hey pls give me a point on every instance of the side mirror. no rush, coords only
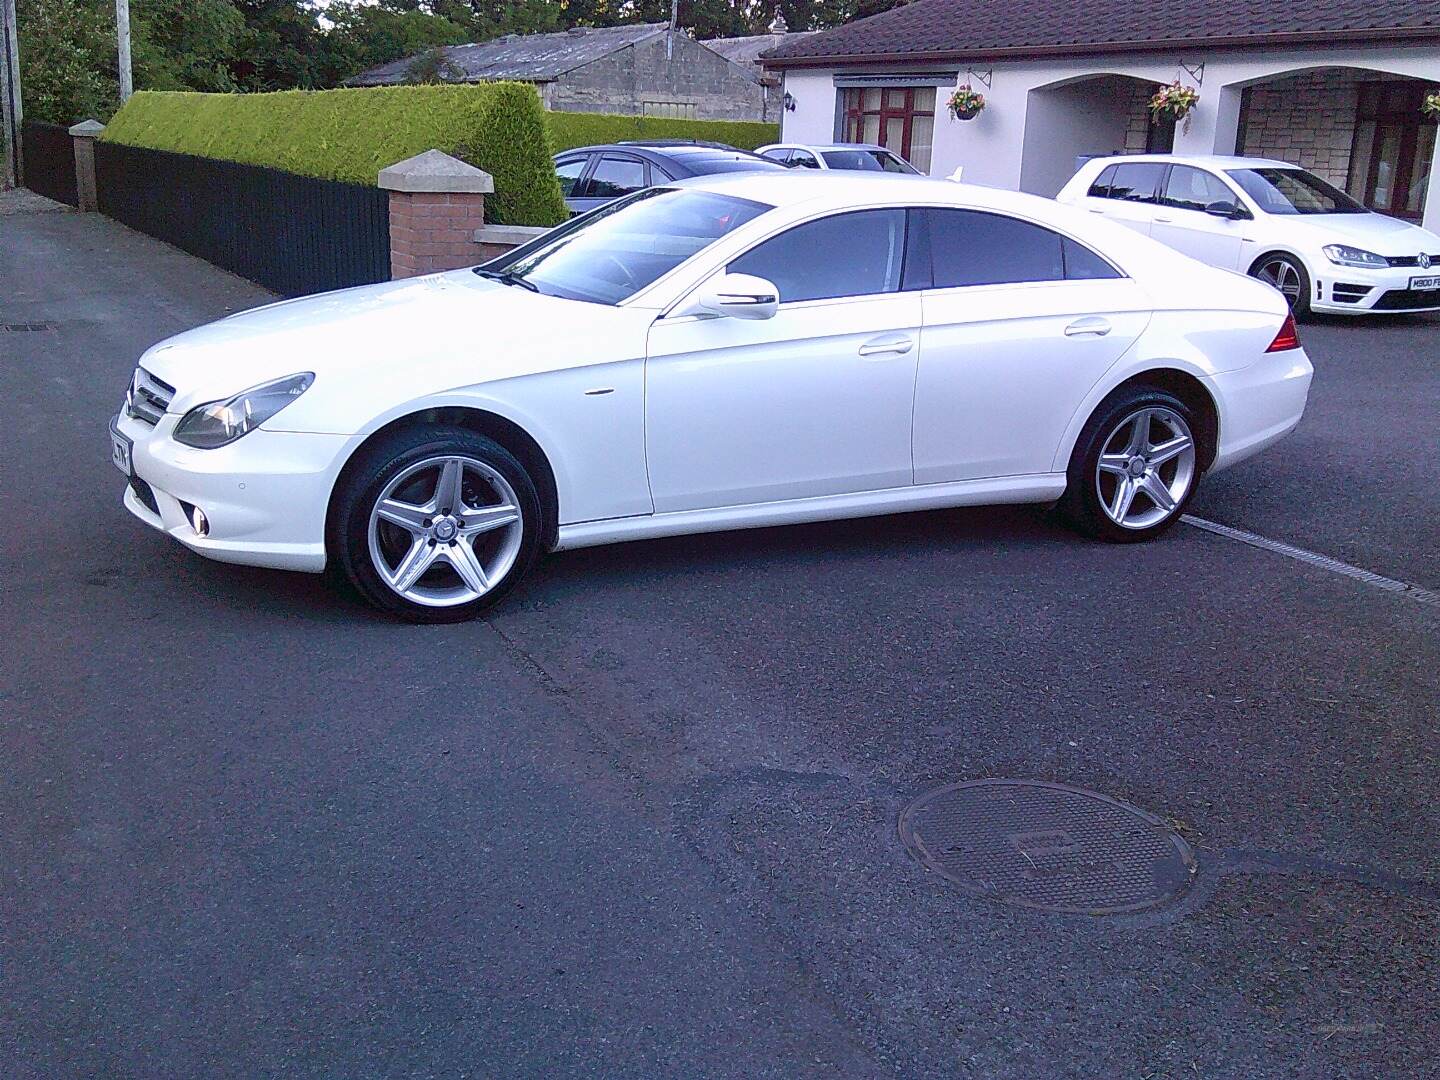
(740, 296)
(1232, 211)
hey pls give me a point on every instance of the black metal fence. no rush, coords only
(47, 158)
(290, 233)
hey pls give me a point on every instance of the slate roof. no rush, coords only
(528, 58)
(746, 51)
(992, 29)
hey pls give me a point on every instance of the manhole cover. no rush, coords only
(1047, 846)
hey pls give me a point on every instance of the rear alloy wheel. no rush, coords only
(1285, 273)
(1134, 469)
(441, 527)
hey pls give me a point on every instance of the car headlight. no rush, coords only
(220, 423)
(1344, 255)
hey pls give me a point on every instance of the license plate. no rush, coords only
(1425, 283)
(120, 452)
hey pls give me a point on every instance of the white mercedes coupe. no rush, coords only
(720, 353)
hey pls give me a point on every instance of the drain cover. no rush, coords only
(1047, 846)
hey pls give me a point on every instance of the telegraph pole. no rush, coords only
(122, 35)
(10, 113)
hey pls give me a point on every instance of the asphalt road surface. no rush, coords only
(642, 821)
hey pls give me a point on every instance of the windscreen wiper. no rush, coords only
(507, 278)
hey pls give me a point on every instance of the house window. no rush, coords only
(673, 110)
(1393, 148)
(898, 118)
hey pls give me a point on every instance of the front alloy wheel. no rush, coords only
(1287, 275)
(435, 524)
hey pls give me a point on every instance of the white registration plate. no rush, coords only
(1425, 282)
(120, 452)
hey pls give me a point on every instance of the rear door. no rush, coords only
(1127, 192)
(1182, 223)
(1019, 323)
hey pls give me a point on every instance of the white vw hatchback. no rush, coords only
(1275, 221)
(725, 352)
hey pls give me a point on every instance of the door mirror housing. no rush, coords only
(739, 296)
(1233, 211)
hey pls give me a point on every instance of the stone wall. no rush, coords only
(691, 75)
(1137, 125)
(1306, 119)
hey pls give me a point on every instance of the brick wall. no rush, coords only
(432, 231)
(1306, 119)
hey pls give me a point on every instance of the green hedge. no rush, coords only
(569, 129)
(352, 134)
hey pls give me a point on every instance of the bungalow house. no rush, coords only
(1333, 85)
(642, 69)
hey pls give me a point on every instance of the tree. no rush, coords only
(185, 44)
(279, 46)
(67, 60)
(363, 35)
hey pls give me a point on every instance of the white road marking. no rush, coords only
(1324, 562)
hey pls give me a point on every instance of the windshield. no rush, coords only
(866, 161)
(1294, 191)
(615, 251)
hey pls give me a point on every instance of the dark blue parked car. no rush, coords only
(591, 176)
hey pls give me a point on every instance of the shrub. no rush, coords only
(569, 129)
(351, 135)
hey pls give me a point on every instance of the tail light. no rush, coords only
(1287, 338)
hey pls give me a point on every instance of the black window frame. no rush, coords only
(918, 269)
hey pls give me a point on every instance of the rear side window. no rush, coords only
(803, 159)
(853, 254)
(1100, 189)
(1136, 181)
(616, 176)
(974, 247)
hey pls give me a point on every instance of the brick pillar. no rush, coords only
(85, 133)
(436, 204)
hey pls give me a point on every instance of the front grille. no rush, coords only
(1408, 300)
(148, 397)
(1412, 260)
(145, 495)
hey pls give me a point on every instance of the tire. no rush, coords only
(460, 526)
(1278, 270)
(1092, 494)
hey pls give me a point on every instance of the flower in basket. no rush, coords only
(965, 103)
(1431, 105)
(1174, 100)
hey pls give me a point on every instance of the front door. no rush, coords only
(815, 401)
(1393, 148)
(1020, 324)
(1182, 223)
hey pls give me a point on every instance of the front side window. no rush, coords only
(853, 254)
(975, 247)
(899, 118)
(616, 176)
(1294, 191)
(1189, 188)
(614, 252)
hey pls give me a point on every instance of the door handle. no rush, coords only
(1164, 220)
(1091, 325)
(887, 347)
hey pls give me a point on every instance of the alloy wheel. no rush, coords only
(1146, 468)
(445, 531)
(1282, 274)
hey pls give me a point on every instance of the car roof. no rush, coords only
(687, 158)
(827, 146)
(1214, 161)
(840, 188)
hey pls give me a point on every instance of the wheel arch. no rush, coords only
(1189, 389)
(504, 431)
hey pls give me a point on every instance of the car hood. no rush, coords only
(1373, 232)
(422, 334)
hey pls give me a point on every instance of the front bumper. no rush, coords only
(1349, 290)
(265, 495)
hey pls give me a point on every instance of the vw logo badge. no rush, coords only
(1424, 261)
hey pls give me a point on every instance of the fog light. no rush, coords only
(199, 522)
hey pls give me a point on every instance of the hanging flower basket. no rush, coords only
(1174, 100)
(965, 103)
(1431, 105)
